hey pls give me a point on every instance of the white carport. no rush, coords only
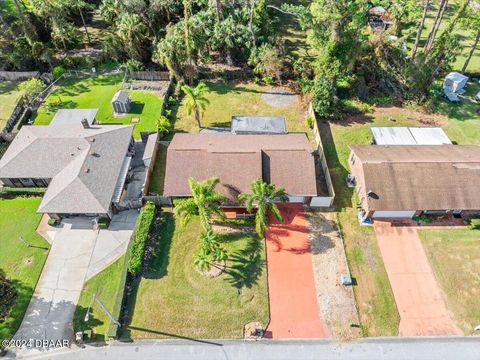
(454, 82)
(409, 136)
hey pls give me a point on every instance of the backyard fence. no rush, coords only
(150, 75)
(17, 75)
(17, 112)
(321, 201)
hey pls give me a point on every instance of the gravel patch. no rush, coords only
(279, 97)
(336, 302)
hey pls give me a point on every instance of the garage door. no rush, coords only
(296, 199)
(393, 214)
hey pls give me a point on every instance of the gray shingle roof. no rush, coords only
(84, 164)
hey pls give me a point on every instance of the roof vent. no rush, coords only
(372, 195)
(92, 139)
(94, 154)
(86, 170)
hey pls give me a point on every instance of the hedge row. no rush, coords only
(140, 235)
(9, 192)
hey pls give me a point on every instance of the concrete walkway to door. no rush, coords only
(419, 300)
(293, 300)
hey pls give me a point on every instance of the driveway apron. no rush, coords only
(422, 309)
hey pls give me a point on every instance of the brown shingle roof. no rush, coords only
(418, 177)
(237, 160)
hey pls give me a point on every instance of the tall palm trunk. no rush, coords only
(472, 50)
(250, 23)
(197, 115)
(436, 25)
(84, 25)
(420, 28)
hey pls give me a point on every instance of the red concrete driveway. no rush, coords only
(419, 300)
(293, 301)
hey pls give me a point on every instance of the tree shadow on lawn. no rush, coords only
(53, 107)
(159, 263)
(245, 267)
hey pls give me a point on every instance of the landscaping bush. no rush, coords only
(423, 219)
(140, 235)
(475, 224)
(11, 192)
(52, 222)
(309, 122)
(58, 71)
(8, 293)
(103, 223)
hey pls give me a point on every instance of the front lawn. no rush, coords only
(96, 93)
(175, 300)
(21, 263)
(9, 94)
(455, 257)
(231, 98)
(106, 286)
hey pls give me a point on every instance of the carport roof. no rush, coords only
(401, 135)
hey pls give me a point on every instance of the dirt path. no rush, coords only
(336, 302)
(419, 300)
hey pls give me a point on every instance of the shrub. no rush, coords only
(163, 125)
(8, 293)
(475, 224)
(11, 192)
(140, 235)
(32, 87)
(52, 222)
(58, 71)
(268, 80)
(309, 122)
(103, 223)
(323, 97)
(423, 219)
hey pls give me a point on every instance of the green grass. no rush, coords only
(97, 93)
(228, 99)
(455, 258)
(174, 299)
(9, 94)
(158, 175)
(106, 286)
(20, 263)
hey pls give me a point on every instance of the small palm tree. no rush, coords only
(196, 100)
(205, 201)
(202, 260)
(264, 196)
(210, 252)
(209, 240)
(163, 125)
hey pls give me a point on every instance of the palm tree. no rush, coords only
(196, 100)
(210, 252)
(202, 260)
(264, 196)
(205, 201)
(132, 32)
(426, 6)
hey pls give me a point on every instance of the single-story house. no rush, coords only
(284, 160)
(403, 181)
(121, 102)
(259, 125)
(67, 116)
(84, 167)
(401, 135)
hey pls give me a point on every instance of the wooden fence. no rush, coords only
(17, 75)
(17, 112)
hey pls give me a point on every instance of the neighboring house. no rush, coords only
(69, 116)
(83, 166)
(400, 135)
(403, 181)
(284, 160)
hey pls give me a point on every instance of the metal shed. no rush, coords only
(121, 102)
(258, 125)
(409, 136)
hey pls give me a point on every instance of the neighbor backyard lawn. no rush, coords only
(106, 286)
(455, 258)
(230, 98)
(9, 94)
(21, 263)
(175, 300)
(96, 93)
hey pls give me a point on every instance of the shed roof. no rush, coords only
(285, 160)
(69, 116)
(121, 96)
(419, 177)
(259, 125)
